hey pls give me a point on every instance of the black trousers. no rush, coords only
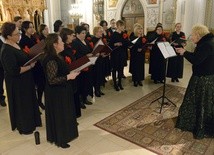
(2, 97)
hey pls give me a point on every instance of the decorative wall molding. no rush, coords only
(150, 7)
(111, 14)
(152, 17)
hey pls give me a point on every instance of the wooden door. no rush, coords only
(130, 21)
(129, 24)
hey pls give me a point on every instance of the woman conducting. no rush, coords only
(196, 113)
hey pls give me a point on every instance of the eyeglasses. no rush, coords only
(16, 34)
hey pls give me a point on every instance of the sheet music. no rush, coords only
(166, 49)
(170, 49)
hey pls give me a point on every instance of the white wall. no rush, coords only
(194, 13)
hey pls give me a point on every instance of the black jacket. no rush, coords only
(203, 56)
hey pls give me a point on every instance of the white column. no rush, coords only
(53, 13)
(87, 12)
(180, 10)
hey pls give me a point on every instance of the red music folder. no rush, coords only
(100, 47)
(34, 59)
(37, 48)
(78, 63)
(82, 63)
(107, 50)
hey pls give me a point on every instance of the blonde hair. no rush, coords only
(96, 29)
(136, 28)
(200, 29)
(136, 24)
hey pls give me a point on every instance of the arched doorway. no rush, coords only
(132, 13)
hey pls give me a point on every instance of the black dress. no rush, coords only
(196, 113)
(157, 62)
(137, 59)
(176, 64)
(2, 97)
(107, 64)
(85, 83)
(61, 124)
(68, 55)
(23, 106)
(98, 69)
(26, 43)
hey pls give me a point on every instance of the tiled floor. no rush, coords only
(91, 140)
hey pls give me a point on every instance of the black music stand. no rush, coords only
(167, 53)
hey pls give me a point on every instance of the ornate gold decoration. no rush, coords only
(24, 8)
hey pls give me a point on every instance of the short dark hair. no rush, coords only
(102, 22)
(17, 18)
(158, 26)
(64, 33)
(79, 29)
(49, 41)
(57, 25)
(112, 20)
(85, 24)
(7, 29)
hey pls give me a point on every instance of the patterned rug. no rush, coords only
(142, 124)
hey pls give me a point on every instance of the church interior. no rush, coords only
(93, 140)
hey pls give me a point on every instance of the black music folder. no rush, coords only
(180, 41)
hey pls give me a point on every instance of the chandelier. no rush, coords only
(76, 11)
